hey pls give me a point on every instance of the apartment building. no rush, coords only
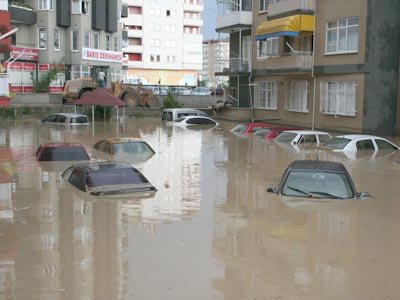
(81, 36)
(164, 41)
(215, 59)
(323, 64)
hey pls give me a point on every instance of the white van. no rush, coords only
(172, 114)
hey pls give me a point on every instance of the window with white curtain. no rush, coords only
(298, 92)
(266, 95)
(86, 39)
(338, 97)
(56, 37)
(268, 47)
(42, 37)
(342, 36)
(75, 40)
(45, 4)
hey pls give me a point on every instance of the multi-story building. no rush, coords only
(83, 36)
(320, 65)
(164, 41)
(215, 59)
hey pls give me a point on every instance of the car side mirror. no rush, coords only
(363, 195)
(271, 190)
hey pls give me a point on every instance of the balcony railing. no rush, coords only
(284, 6)
(290, 61)
(193, 22)
(236, 65)
(229, 6)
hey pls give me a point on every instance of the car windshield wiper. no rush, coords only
(326, 194)
(308, 194)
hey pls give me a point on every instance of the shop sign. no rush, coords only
(26, 53)
(101, 55)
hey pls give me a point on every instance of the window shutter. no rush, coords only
(323, 96)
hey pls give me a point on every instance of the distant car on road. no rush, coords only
(217, 92)
(195, 120)
(61, 152)
(250, 128)
(107, 179)
(317, 179)
(201, 91)
(66, 119)
(303, 137)
(355, 142)
(273, 132)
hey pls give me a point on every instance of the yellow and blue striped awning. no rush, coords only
(287, 26)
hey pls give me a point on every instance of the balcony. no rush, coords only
(236, 66)
(133, 49)
(290, 6)
(234, 21)
(288, 62)
(134, 20)
(133, 33)
(193, 7)
(193, 22)
(136, 2)
(23, 15)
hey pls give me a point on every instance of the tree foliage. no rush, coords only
(42, 82)
(170, 101)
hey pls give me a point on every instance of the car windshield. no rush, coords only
(262, 132)
(317, 184)
(285, 137)
(115, 177)
(135, 147)
(239, 128)
(63, 154)
(337, 143)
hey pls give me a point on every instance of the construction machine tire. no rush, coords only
(131, 99)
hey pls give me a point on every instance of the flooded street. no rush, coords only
(210, 232)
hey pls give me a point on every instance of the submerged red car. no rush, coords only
(273, 132)
(61, 152)
(250, 128)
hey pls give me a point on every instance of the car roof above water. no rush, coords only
(317, 165)
(58, 145)
(103, 166)
(70, 115)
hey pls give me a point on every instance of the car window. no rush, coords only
(262, 132)
(285, 137)
(114, 177)
(308, 139)
(365, 145)
(77, 179)
(256, 128)
(61, 119)
(337, 143)
(239, 128)
(383, 145)
(63, 154)
(195, 121)
(169, 116)
(135, 147)
(107, 148)
(323, 138)
(181, 115)
(101, 145)
(164, 116)
(79, 120)
(299, 183)
(51, 118)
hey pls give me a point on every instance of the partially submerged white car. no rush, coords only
(303, 137)
(195, 120)
(66, 119)
(355, 142)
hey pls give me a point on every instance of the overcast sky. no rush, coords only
(209, 18)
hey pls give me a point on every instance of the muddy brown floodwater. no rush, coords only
(210, 232)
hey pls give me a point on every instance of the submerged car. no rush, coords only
(172, 114)
(195, 120)
(108, 178)
(273, 132)
(66, 119)
(317, 179)
(303, 137)
(123, 145)
(355, 142)
(61, 152)
(250, 128)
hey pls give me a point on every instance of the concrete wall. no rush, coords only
(32, 99)
(234, 114)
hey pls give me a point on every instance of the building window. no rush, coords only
(158, 58)
(86, 39)
(298, 96)
(75, 40)
(342, 36)
(115, 43)
(45, 4)
(96, 40)
(80, 7)
(266, 95)
(107, 42)
(152, 57)
(56, 39)
(338, 98)
(168, 13)
(42, 38)
(263, 5)
(268, 47)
